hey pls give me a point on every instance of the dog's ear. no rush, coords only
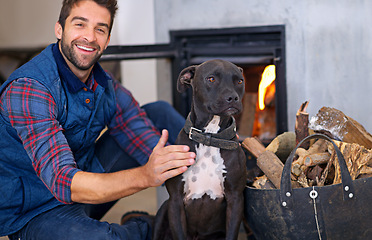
(184, 79)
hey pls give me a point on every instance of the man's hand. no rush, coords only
(167, 161)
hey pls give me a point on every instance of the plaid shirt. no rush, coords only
(31, 110)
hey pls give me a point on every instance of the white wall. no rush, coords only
(26, 24)
(134, 25)
(327, 45)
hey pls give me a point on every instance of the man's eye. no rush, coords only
(211, 79)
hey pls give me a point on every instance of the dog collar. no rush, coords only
(220, 140)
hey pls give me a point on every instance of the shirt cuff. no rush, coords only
(62, 191)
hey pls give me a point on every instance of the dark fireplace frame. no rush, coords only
(243, 46)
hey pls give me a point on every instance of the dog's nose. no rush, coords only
(230, 99)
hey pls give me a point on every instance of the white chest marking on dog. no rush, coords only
(206, 175)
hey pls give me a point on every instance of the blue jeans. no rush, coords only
(81, 221)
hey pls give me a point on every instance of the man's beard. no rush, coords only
(71, 55)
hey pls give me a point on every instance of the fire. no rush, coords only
(268, 76)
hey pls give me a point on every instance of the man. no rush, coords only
(53, 172)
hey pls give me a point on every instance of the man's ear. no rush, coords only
(58, 30)
(184, 79)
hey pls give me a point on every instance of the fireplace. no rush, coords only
(252, 48)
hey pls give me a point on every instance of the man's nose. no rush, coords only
(90, 35)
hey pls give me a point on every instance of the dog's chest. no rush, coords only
(206, 175)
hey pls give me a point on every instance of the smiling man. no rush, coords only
(57, 179)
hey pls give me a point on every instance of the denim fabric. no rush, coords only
(71, 222)
(164, 116)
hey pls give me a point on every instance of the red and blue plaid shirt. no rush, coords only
(31, 110)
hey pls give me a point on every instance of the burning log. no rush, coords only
(341, 127)
(301, 126)
(248, 115)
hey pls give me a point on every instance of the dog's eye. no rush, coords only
(211, 79)
(240, 81)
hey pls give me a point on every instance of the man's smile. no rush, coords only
(85, 48)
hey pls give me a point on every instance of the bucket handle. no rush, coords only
(286, 191)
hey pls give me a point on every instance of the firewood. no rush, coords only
(358, 160)
(365, 176)
(314, 173)
(319, 146)
(315, 159)
(271, 165)
(254, 146)
(308, 160)
(341, 127)
(267, 161)
(302, 180)
(282, 145)
(316, 154)
(298, 166)
(327, 172)
(301, 126)
(263, 183)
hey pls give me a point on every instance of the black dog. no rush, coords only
(206, 202)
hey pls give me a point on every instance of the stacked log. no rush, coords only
(315, 163)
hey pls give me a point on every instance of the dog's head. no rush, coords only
(218, 86)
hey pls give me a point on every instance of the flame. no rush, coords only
(268, 76)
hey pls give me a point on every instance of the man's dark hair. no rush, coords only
(67, 5)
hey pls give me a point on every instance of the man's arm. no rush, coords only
(134, 132)
(165, 162)
(131, 128)
(32, 111)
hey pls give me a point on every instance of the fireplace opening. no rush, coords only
(260, 51)
(258, 118)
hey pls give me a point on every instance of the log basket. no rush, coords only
(339, 211)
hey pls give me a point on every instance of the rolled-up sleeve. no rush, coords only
(32, 111)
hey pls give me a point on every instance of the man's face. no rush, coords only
(85, 35)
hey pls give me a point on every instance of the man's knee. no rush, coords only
(158, 107)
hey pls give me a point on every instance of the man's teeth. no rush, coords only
(85, 48)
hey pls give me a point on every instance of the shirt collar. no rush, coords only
(72, 81)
